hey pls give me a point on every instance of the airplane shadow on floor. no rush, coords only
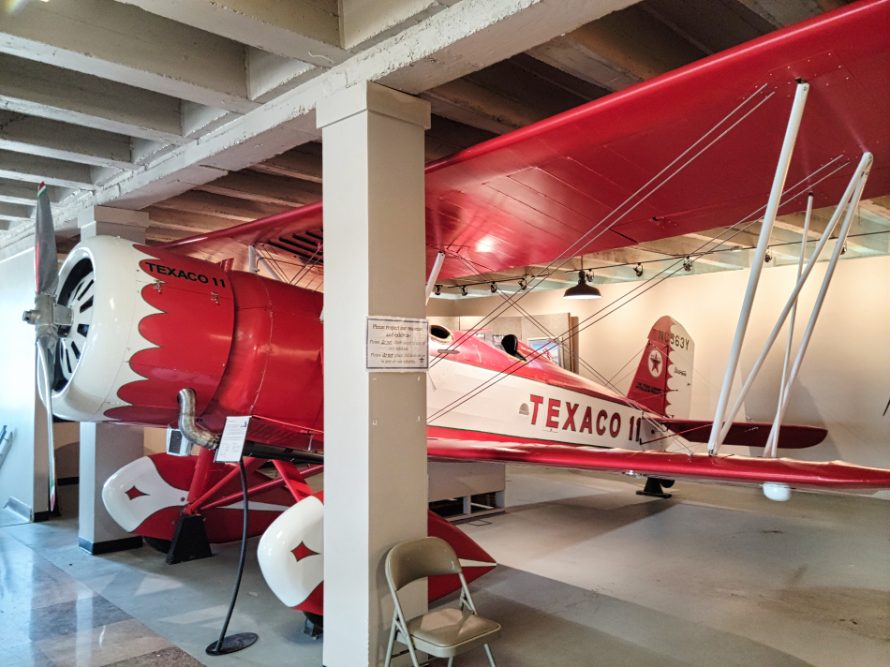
(547, 622)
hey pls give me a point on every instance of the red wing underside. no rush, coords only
(748, 434)
(740, 469)
(525, 197)
(282, 433)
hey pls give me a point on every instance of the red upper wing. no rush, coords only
(525, 197)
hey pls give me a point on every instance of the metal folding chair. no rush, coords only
(443, 633)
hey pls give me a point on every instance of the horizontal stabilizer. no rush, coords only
(740, 469)
(748, 434)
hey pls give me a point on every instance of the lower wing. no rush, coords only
(460, 445)
(730, 468)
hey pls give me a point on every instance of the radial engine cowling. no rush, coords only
(147, 323)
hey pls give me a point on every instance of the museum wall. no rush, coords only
(18, 407)
(843, 382)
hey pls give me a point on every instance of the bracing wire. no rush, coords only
(600, 228)
(788, 195)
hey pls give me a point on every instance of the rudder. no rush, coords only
(663, 381)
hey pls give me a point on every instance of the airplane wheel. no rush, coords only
(667, 483)
(157, 544)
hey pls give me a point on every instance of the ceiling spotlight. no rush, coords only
(844, 249)
(522, 283)
(583, 290)
(768, 256)
(638, 270)
(438, 290)
(687, 264)
(463, 290)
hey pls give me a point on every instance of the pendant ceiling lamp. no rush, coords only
(583, 290)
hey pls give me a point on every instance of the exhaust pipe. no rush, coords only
(189, 427)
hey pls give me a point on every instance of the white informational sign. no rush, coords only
(397, 344)
(231, 445)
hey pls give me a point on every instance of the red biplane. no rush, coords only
(124, 329)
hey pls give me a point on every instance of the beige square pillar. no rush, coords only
(106, 448)
(375, 423)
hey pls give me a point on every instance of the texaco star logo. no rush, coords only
(656, 363)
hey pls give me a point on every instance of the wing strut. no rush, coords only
(434, 274)
(769, 218)
(773, 440)
(785, 392)
(848, 204)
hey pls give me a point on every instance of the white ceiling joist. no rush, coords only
(306, 30)
(34, 168)
(21, 192)
(447, 45)
(122, 43)
(49, 138)
(15, 211)
(49, 92)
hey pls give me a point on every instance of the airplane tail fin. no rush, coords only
(663, 381)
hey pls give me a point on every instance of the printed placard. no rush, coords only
(231, 444)
(397, 344)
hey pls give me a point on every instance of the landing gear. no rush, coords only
(314, 625)
(655, 487)
(157, 544)
(189, 540)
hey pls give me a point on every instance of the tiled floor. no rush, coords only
(49, 618)
(61, 607)
(590, 574)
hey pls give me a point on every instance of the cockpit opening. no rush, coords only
(440, 333)
(510, 343)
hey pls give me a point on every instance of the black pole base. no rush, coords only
(232, 643)
(314, 625)
(654, 489)
(189, 540)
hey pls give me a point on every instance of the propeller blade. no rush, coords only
(46, 347)
(46, 262)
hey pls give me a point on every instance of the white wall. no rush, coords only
(843, 384)
(19, 409)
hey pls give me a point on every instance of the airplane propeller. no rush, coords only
(47, 316)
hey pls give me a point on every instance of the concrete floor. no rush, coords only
(590, 574)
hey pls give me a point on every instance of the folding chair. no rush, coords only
(443, 633)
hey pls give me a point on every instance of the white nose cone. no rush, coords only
(776, 491)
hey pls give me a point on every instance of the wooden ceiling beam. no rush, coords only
(471, 104)
(206, 203)
(636, 43)
(187, 222)
(265, 188)
(779, 13)
(446, 137)
(303, 162)
(695, 22)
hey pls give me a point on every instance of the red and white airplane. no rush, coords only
(687, 151)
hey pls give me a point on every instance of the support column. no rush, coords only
(375, 423)
(106, 448)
